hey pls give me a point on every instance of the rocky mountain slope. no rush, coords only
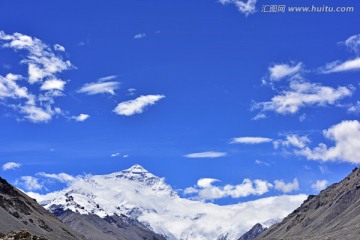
(139, 195)
(333, 214)
(19, 212)
(109, 228)
(253, 232)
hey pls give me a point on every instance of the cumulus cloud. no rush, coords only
(33, 95)
(53, 84)
(303, 94)
(31, 183)
(205, 190)
(250, 140)
(280, 71)
(346, 138)
(81, 118)
(61, 177)
(10, 165)
(280, 185)
(137, 105)
(101, 86)
(339, 66)
(140, 35)
(320, 185)
(209, 154)
(246, 7)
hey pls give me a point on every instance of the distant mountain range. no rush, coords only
(145, 200)
(333, 214)
(134, 204)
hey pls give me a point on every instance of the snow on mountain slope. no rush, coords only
(137, 193)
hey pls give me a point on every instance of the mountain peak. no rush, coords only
(136, 168)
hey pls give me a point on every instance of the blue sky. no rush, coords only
(187, 89)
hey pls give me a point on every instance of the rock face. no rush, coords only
(333, 214)
(109, 228)
(22, 216)
(253, 232)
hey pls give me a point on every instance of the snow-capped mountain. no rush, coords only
(138, 194)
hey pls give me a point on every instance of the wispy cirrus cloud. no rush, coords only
(280, 71)
(353, 43)
(136, 106)
(209, 154)
(341, 66)
(61, 177)
(250, 140)
(292, 140)
(10, 166)
(102, 85)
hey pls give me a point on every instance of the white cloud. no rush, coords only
(302, 94)
(320, 185)
(107, 78)
(137, 105)
(205, 190)
(31, 183)
(354, 108)
(53, 84)
(58, 47)
(353, 43)
(209, 154)
(61, 177)
(10, 165)
(206, 182)
(292, 140)
(280, 185)
(246, 7)
(140, 35)
(346, 138)
(81, 118)
(338, 66)
(259, 116)
(280, 71)
(99, 87)
(250, 140)
(131, 91)
(36, 114)
(10, 89)
(259, 162)
(34, 102)
(115, 154)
